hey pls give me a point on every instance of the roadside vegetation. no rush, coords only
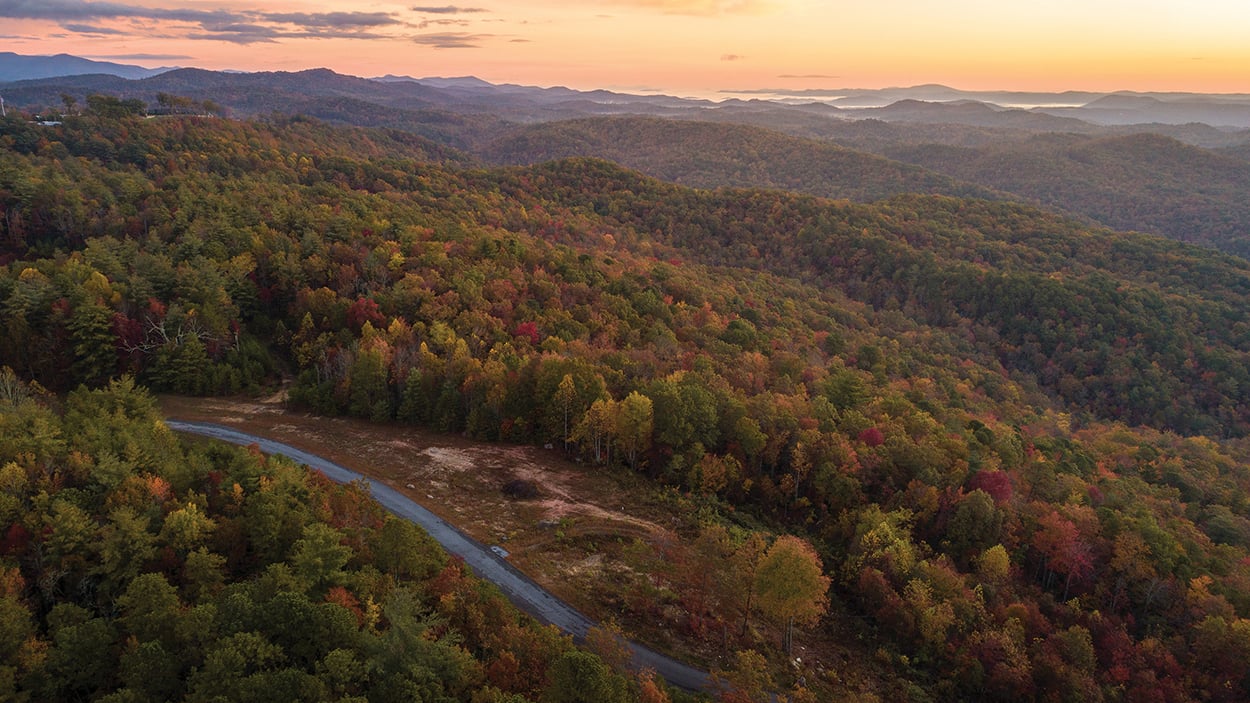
(135, 567)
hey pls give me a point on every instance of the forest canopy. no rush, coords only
(134, 567)
(1015, 442)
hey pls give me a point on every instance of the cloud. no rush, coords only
(80, 10)
(807, 75)
(89, 28)
(238, 33)
(257, 34)
(244, 28)
(333, 19)
(443, 22)
(59, 10)
(446, 9)
(450, 40)
(241, 27)
(732, 57)
(243, 39)
(705, 8)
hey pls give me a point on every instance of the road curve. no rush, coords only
(519, 588)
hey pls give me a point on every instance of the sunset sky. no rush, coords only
(686, 47)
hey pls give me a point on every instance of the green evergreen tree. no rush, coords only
(94, 344)
(370, 395)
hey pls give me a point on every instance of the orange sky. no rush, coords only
(687, 47)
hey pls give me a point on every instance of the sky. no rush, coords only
(680, 47)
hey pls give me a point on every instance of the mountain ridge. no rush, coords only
(15, 67)
(1221, 110)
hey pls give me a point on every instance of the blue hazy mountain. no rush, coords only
(16, 67)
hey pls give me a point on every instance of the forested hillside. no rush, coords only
(1015, 441)
(134, 568)
(1162, 178)
(1142, 182)
(1134, 182)
(1139, 322)
(710, 155)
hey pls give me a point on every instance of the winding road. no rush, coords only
(519, 588)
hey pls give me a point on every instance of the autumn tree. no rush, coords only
(581, 677)
(744, 566)
(1063, 549)
(607, 641)
(651, 690)
(634, 422)
(565, 401)
(792, 586)
(703, 576)
(597, 428)
(747, 680)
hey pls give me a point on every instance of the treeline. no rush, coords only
(925, 388)
(135, 568)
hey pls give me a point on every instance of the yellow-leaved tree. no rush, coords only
(791, 585)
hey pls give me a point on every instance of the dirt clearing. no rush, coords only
(462, 481)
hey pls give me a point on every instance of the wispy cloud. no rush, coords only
(263, 34)
(732, 57)
(237, 34)
(451, 40)
(89, 28)
(707, 8)
(446, 9)
(80, 10)
(333, 19)
(807, 75)
(237, 26)
(241, 38)
(424, 24)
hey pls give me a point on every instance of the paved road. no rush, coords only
(519, 589)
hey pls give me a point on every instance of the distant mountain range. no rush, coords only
(1173, 164)
(32, 78)
(16, 67)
